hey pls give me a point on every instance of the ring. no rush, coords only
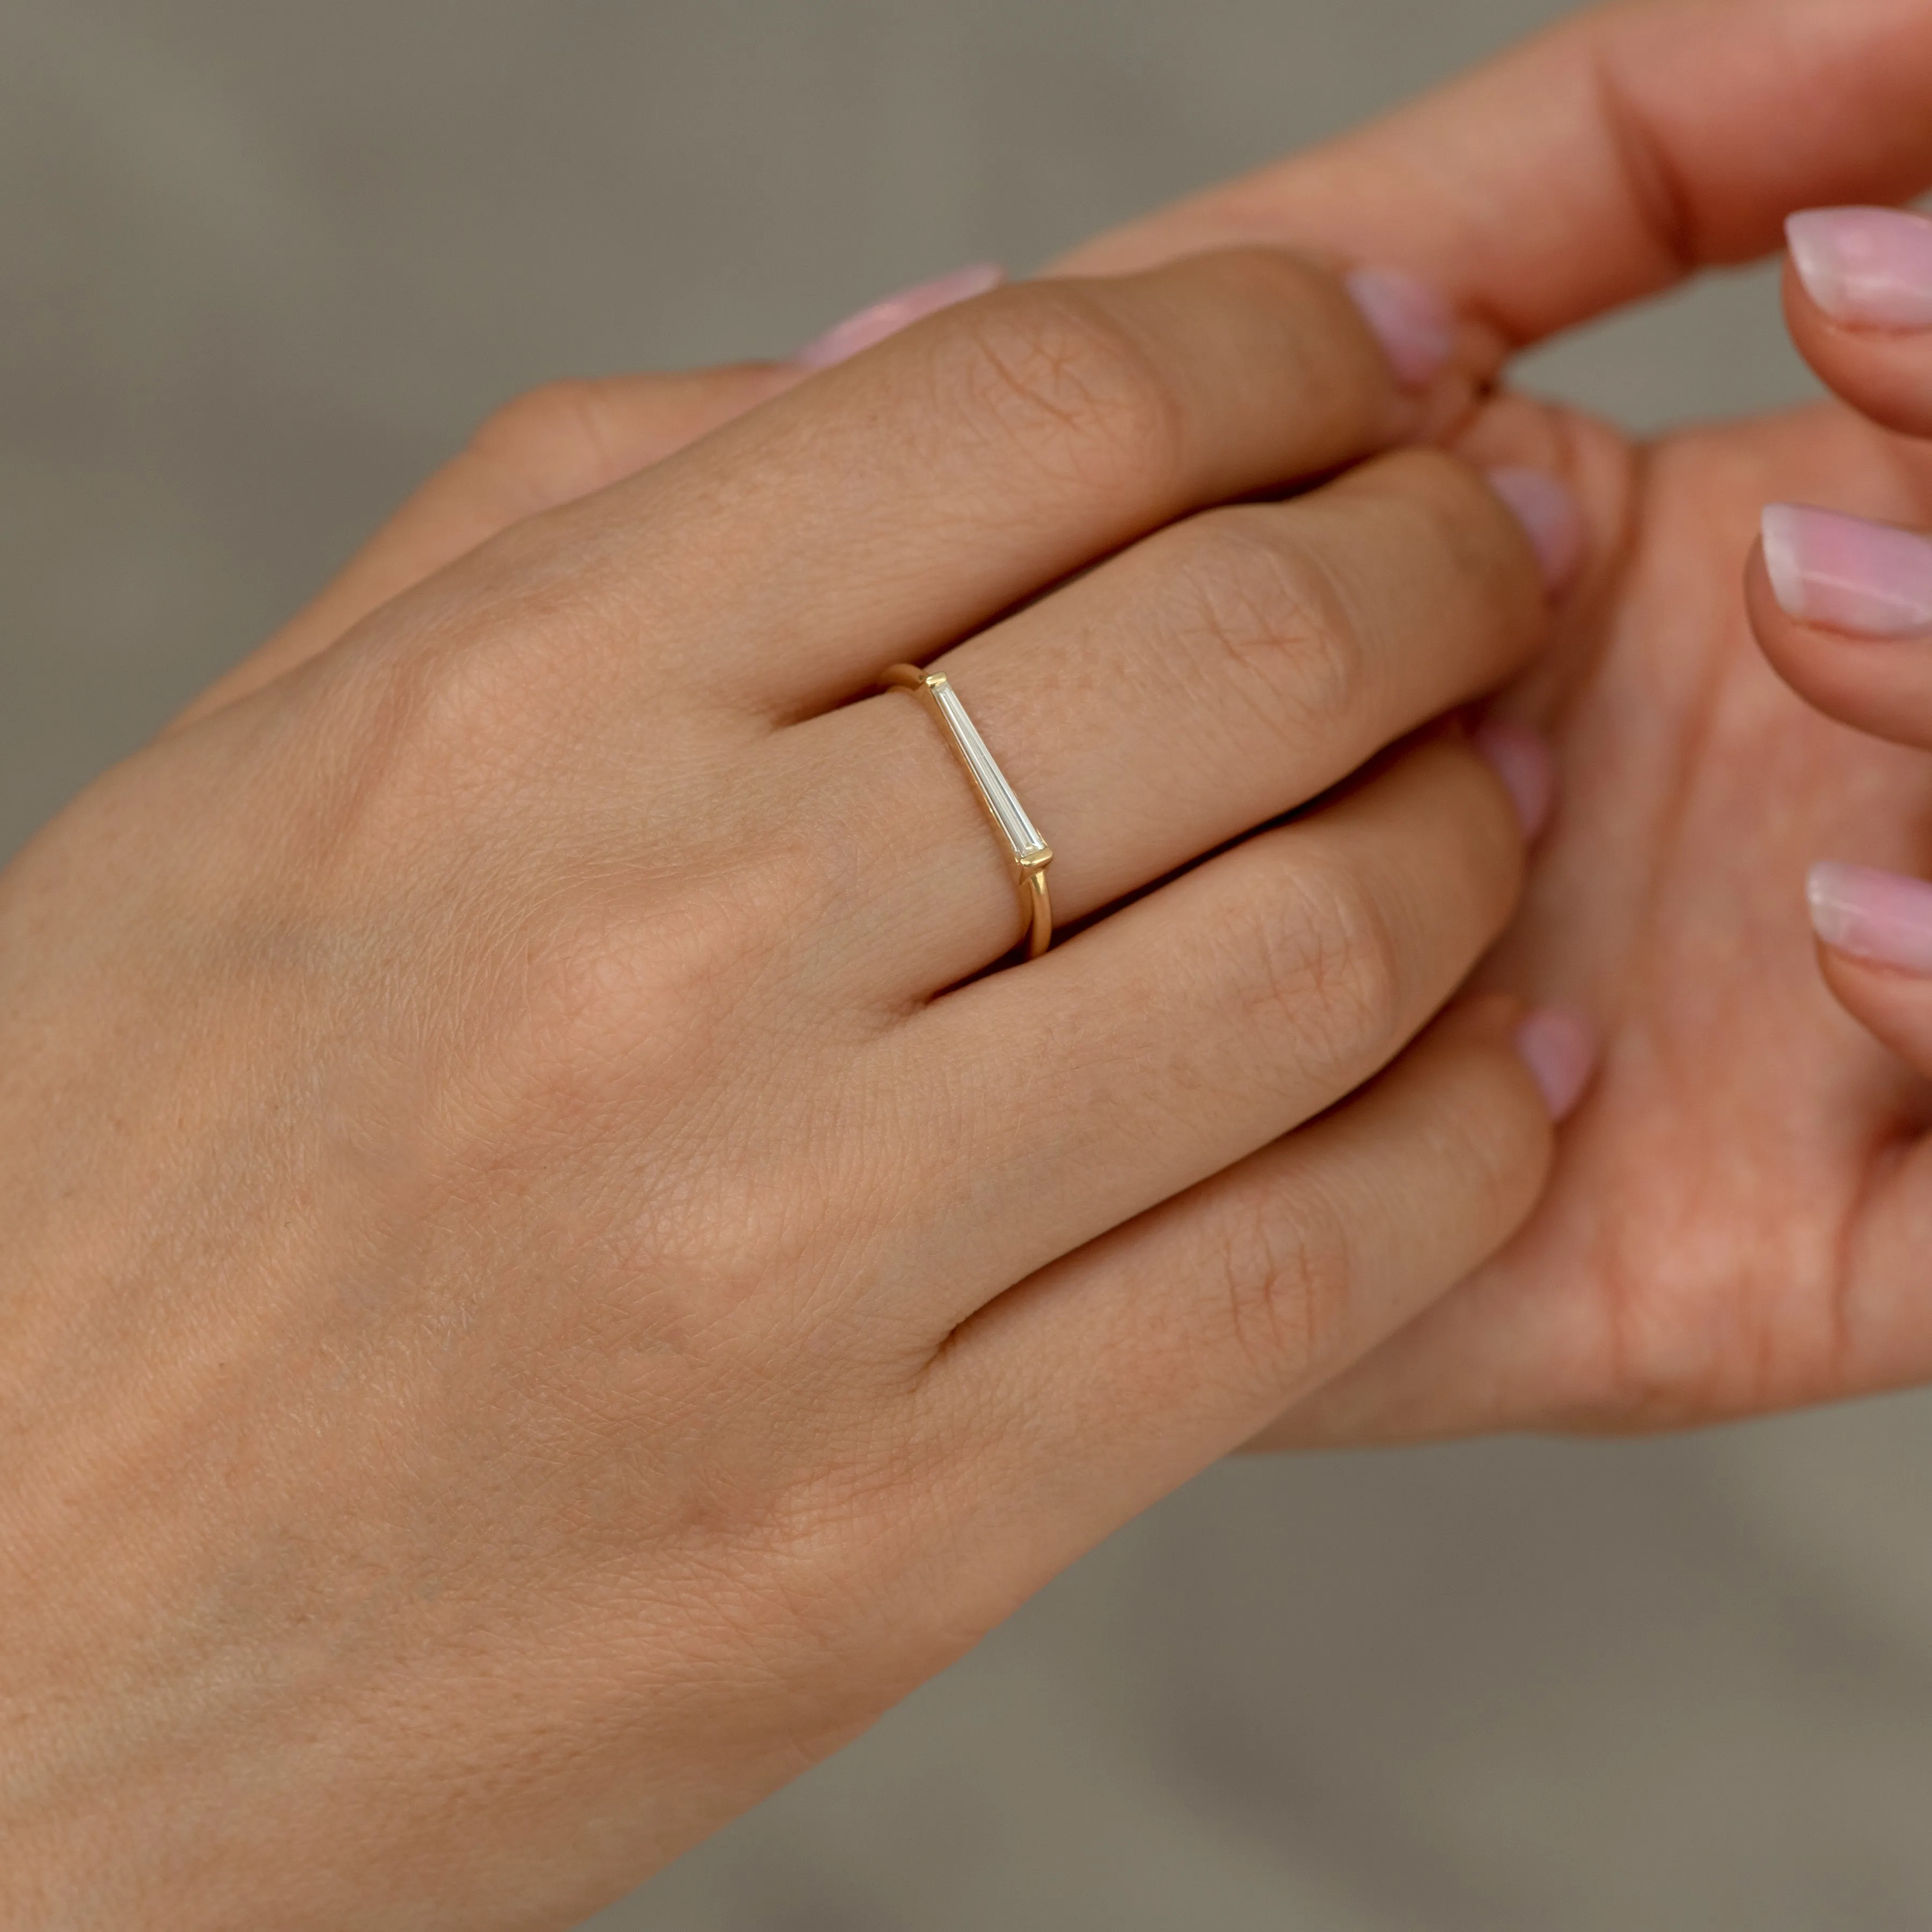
(1031, 854)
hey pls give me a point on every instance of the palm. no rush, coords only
(1734, 1219)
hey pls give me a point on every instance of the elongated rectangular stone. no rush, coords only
(1001, 800)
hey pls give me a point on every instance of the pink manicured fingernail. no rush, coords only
(1559, 1048)
(874, 324)
(1527, 767)
(1870, 579)
(1415, 326)
(1871, 267)
(1881, 917)
(1549, 512)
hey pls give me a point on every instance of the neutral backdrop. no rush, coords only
(262, 266)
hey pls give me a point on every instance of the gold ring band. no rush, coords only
(1031, 854)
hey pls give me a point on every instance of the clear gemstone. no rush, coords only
(1020, 832)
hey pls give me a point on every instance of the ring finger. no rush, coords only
(1199, 1024)
(1220, 674)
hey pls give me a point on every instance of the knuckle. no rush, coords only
(483, 683)
(1323, 980)
(1264, 617)
(610, 984)
(1063, 379)
(1286, 1271)
(451, 712)
(548, 444)
(419, 746)
(596, 988)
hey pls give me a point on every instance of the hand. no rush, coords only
(1740, 1217)
(553, 446)
(531, 1315)
(1843, 608)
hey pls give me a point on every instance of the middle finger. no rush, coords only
(1224, 672)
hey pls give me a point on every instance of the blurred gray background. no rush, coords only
(261, 267)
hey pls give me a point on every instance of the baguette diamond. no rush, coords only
(1002, 801)
(1031, 854)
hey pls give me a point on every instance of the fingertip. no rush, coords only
(1842, 610)
(1865, 267)
(1551, 518)
(1524, 762)
(1864, 325)
(1559, 1047)
(1415, 326)
(881, 320)
(1876, 918)
(1850, 575)
(1778, 528)
(1874, 933)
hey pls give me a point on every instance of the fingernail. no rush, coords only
(1415, 326)
(1869, 580)
(874, 324)
(1871, 267)
(1526, 765)
(1559, 1048)
(1550, 513)
(1883, 918)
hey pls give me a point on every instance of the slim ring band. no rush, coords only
(1031, 854)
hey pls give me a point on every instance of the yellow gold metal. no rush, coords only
(1030, 853)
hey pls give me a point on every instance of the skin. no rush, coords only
(1738, 1218)
(547, 1285)
(1881, 688)
(1732, 1227)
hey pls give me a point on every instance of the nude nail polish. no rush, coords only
(1882, 918)
(1871, 267)
(1559, 1048)
(1550, 513)
(1415, 326)
(1523, 761)
(1867, 580)
(874, 324)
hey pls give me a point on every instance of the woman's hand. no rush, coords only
(1723, 1236)
(1842, 607)
(553, 446)
(531, 1313)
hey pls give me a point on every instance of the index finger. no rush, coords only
(895, 505)
(548, 448)
(1600, 162)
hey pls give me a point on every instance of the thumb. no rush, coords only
(1599, 163)
(565, 441)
